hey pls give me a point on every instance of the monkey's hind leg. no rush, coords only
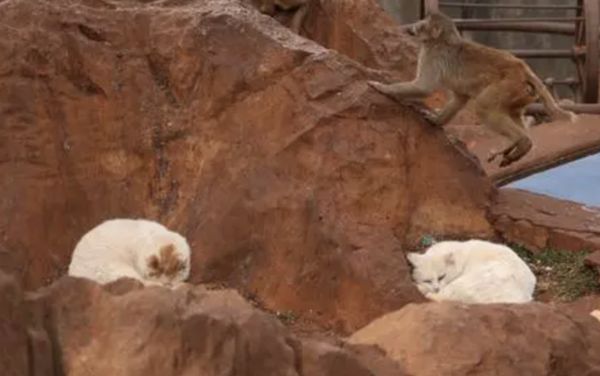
(511, 128)
(512, 153)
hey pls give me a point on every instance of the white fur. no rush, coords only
(596, 314)
(121, 248)
(474, 271)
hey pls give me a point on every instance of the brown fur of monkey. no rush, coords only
(300, 6)
(499, 84)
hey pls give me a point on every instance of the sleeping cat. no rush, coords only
(134, 248)
(473, 271)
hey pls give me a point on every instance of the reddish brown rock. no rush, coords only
(364, 32)
(554, 144)
(321, 358)
(538, 221)
(290, 178)
(127, 330)
(25, 347)
(13, 329)
(593, 259)
(582, 306)
(453, 339)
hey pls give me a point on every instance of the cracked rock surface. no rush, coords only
(488, 339)
(291, 179)
(540, 222)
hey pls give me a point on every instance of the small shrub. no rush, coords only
(563, 274)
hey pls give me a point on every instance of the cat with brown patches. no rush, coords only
(136, 248)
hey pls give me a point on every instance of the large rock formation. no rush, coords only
(494, 339)
(124, 329)
(13, 335)
(540, 222)
(290, 178)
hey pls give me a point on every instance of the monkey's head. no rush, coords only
(435, 28)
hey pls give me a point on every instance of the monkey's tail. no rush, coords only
(554, 109)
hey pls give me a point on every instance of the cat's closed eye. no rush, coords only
(427, 281)
(441, 277)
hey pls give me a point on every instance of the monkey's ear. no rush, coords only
(413, 258)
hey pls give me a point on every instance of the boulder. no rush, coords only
(25, 347)
(541, 222)
(291, 179)
(581, 306)
(13, 328)
(456, 339)
(364, 32)
(322, 358)
(593, 260)
(124, 329)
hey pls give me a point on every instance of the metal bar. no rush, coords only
(466, 21)
(579, 108)
(547, 27)
(508, 6)
(537, 54)
(592, 65)
(566, 81)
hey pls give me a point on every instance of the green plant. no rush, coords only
(563, 273)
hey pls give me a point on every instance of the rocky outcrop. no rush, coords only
(453, 339)
(555, 144)
(364, 32)
(123, 329)
(581, 306)
(291, 179)
(540, 222)
(13, 331)
(77, 327)
(593, 260)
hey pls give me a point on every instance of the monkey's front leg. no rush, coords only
(402, 90)
(414, 91)
(436, 297)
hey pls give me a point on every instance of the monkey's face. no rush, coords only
(421, 30)
(435, 27)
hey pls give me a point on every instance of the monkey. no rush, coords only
(499, 84)
(299, 6)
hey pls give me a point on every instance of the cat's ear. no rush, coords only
(449, 259)
(413, 258)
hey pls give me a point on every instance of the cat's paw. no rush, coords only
(433, 296)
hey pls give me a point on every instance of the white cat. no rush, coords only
(596, 314)
(473, 271)
(134, 248)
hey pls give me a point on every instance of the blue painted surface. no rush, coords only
(577, 181)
